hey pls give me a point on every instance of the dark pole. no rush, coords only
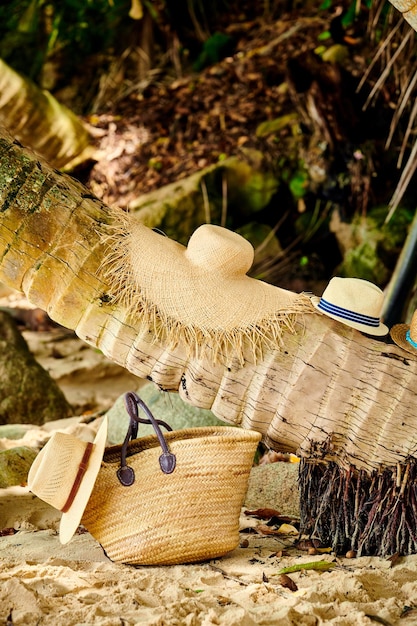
(402, 279)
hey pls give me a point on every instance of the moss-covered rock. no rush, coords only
(276, 125)
(168, 407)
(369, 246)
(28, 394)
(14, 431)
(237, 186)
(14, 465)
(362, 261)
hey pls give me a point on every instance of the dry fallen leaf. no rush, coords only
(307, 544)
(287, 529)
(264, 513)
(263, 529)
(407, 610)
(378, 619)
(286, 581)
(394, 559)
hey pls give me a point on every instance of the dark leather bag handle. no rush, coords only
(167, 460)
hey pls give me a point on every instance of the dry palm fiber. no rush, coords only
(372, 514)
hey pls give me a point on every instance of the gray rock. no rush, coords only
(27, 391)
(14, 465)
(168, 407)
(274, 486)
(14, 431)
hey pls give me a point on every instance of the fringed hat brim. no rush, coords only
(211, 306)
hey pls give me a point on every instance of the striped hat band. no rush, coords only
(346, 314)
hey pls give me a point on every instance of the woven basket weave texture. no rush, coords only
(187, 516)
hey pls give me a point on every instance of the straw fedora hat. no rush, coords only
(405, 335)
(354, 302)
(63, 475)
(199, 294)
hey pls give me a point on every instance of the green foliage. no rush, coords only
(31, 31)
(395, 231)
(314, 220)
(298, 183)
(155, 163)
(350, 13)
(363, 262)
(214, 49)
(276, 125)
(326, 5)
(67, 32)
(375, 245)
(324, 36)
(348, 16)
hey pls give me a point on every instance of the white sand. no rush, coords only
(45, 583)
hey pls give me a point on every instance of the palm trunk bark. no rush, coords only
(331, 395)
(37, 119)
(408, 8)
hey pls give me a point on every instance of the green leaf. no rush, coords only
(298, 184)
(320, 566)
(325, 5)
(324, 35)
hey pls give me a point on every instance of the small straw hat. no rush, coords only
(199, 294)
(63, 475)
(354, 302)
(405, 335)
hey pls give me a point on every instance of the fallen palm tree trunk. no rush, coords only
(37, 119)
(318, 388)
(408, 8)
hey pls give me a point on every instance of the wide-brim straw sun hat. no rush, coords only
(354, 302)
(199, 295)
(405, 335)
(63, 475)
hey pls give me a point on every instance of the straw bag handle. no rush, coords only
(167, 460)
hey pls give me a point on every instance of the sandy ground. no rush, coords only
(89, 380)
(44, 583)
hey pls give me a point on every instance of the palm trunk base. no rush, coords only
(373, 514)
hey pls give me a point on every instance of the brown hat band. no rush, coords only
(82, 468)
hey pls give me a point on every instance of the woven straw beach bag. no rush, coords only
(172, 498)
